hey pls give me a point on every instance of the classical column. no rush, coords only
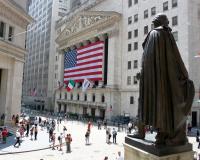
(101, 38)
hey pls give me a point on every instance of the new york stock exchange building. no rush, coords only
(89, 45)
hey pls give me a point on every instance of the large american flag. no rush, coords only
(85, 62)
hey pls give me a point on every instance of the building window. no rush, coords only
(135, 45)
(10, 33)
(135, 1)
(165, 6)
(135, 64)
(146, 13)
(135, 80)
(174, 3)
(129, 80)
(129, 20)
(85, 97)
(71, 96)
(102, 98)
(131, 100)
(78, 97)
(174, 21)
(129, 47)
(2, 29)
(136, 18)
(65, 95)
(129, 3)
(93, 98)
(153, 11)
(129, 35)
(129, 64)
(145, 29)
(175, 34)
(136, 33)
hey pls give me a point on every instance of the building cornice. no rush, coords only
(10, 50)
(86, 25)
(9, 11)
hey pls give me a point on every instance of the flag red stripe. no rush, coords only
(91, 50)
(86, 57)
(94, 61)
(81, 69)
(92, 44)
(83, 74)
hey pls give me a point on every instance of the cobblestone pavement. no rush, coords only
(97, 150)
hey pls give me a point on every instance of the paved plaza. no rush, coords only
(97, 150)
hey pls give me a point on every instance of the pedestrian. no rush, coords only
(106, 158)
(17, 119)
(68, 140)
(31, 132)
(50, 134)
(89, 126)
(114, 134)
(99, 124)
(130, 127)
(60, 137)
(87, 136)
(189, 128)
(53, 139)
(17, 138)
(64, 130)
(40, 120)
(108, 135)
(119, 156)
(4, 134)
(35, 132)
(197, 136)
(105, 124)
(27, 128)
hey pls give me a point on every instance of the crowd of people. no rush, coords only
(57, 139)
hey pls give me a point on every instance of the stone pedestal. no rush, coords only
(135, 149)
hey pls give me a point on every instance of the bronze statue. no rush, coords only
(166, 92)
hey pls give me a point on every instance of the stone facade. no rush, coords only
(12, 52)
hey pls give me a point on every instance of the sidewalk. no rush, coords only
(26, 144)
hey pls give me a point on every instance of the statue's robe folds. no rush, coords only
(166, 93)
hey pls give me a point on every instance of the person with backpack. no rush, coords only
(114, 134)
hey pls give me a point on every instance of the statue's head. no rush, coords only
(160, 20)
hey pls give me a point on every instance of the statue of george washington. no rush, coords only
(166, 92)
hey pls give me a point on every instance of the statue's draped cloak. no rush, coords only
(166, 93)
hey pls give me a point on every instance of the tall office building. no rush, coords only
(39, 65)
(13, 22)
(184, 18)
